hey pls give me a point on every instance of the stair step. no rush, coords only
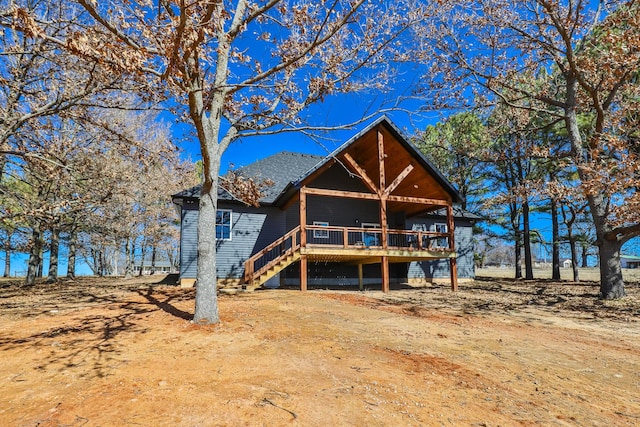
(281, 264)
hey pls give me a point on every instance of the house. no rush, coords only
(159, 266)
(566, 263)
(630, 261)
(373, 212)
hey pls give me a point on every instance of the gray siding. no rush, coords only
(189, 240)
(252, 230)
(440, 268)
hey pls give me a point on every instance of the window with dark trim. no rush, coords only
(321, 234)
(223, 224)
(441, 242)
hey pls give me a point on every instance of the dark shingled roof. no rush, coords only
(282, 168)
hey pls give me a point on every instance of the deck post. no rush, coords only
(303, 273)
(383, 223)
(381, 189)
(453, 266)
(303, 217)
(360, 277)
(385, 274)
(303, 238)
(248, 274)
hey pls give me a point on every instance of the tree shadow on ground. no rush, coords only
(169, 279)
(84, 342)
(96, 314)
(165, 305)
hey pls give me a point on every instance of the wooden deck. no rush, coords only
(371, 255)
(351, 245)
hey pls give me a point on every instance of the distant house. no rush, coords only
(373, 212)
(630, 261)
(566, 263)
(160, 266)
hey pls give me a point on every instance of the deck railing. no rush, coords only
(342, 237)
(354, 238)
(271, 255)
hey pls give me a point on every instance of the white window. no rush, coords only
(223, 224)
(371, 238)
(321, 234)
(441, 242)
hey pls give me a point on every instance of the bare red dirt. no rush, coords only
(499, 352)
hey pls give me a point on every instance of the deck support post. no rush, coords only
(303, 217)
(384, 261)
(453, 266)
(381, 190)
(453, 269)
(360, 277)
(303, 238)
(385, 274)
(303, 273)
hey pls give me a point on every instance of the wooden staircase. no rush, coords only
(281, 264)
(272, 260)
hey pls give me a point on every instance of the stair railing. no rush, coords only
(271, 255)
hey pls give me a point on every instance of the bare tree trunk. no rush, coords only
(518, 255)
(206, 310)
(207, 123)
(114, 264)
(611, 283)
(153, 259)
(7, 253)
(173, 260)
(585, 255)
(71, 258)
(569, 218)
(528, 262)
(41, 259)
(35, 256)
(141, 266)
(104, 262)
(143, 254)
(574, 258)
(515, 225)
(52, 276)
(94, 263)
(555, 241)
(129, 250)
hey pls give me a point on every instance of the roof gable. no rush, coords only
(406, 170)
(404, 165)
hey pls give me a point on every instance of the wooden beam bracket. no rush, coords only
(359, 170)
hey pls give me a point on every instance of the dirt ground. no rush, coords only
(499, 352)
